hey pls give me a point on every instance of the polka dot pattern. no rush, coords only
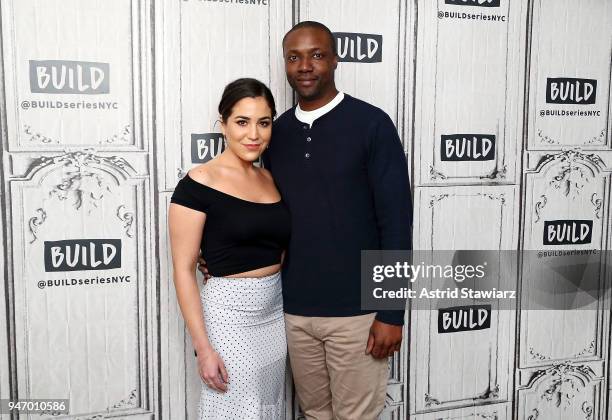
(245, 324)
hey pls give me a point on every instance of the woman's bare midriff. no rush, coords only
(259, 272)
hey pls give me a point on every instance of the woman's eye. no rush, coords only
(265, 123)
(241, 123)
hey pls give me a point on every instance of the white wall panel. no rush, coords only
(4, 324)
(477, 71)
(202, 48)
(566, 391)
(381, 83)
(458, 369)
(469, 73)
(92, 342)
(489, 412)
(91, 94)
(181, 390)
(570, 40)
(567, 186)
(567, 339)
(466, 217)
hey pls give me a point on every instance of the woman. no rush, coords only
(231, 210)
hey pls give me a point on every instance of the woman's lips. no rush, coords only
(252, 146)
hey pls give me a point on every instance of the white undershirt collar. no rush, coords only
(308, 117)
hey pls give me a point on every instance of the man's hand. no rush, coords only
(203, 269)
(384, 339)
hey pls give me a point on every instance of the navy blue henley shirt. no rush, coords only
(345, 181)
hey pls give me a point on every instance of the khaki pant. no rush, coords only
(333, 376)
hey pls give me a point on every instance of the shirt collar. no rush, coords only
(308, 117)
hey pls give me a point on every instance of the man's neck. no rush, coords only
(317, 103)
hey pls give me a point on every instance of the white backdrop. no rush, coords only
(107, 103)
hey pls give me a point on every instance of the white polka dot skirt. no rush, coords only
(245, 324)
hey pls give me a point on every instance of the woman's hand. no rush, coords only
(212, 370)
(203, 268)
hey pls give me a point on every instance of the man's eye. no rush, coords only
(291, 58)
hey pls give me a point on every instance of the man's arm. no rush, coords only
(390, 184)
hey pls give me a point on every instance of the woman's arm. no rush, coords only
(186, 227)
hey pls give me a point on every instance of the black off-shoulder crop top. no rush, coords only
(239, 235)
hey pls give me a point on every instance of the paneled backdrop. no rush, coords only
(503, 108)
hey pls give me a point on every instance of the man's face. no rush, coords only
(310, 63)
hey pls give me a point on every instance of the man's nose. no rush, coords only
(305, 65)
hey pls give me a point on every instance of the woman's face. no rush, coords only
(249, 127)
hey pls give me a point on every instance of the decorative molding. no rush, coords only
(35, 222)
(489, 393)
(535, 413)
(83, 185)
(571, 156)
(599, 139)
(546, 139)
(488, 416)
(128, 402)
(496, 173)
(37, 137)
(577, 169)
(81, 159)
(435, 198)
(127, 217)
(434, 174)
(587, 409)
(537, 356)
(597, 202)
(123, 136)
(589, 349)
(565, 381)
(539, 206)
(500, 197)
(429, 400)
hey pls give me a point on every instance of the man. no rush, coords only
(340, 167)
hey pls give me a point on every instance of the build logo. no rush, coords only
(69, 77)
(206, 146)
(481, 3)
(568, 232)
(358, 48)
(82, 254)
(467, 147)
(567, 90)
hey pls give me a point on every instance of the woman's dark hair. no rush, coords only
(240, 89)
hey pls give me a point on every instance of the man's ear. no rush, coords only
(335, 62)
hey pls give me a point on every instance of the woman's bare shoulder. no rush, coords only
(204, 173)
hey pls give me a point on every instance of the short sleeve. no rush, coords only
(187, 194)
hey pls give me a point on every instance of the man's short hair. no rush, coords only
(316, 25)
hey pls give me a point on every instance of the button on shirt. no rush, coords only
(308, 117)
(347, 190)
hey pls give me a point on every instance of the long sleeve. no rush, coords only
(390, 184)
